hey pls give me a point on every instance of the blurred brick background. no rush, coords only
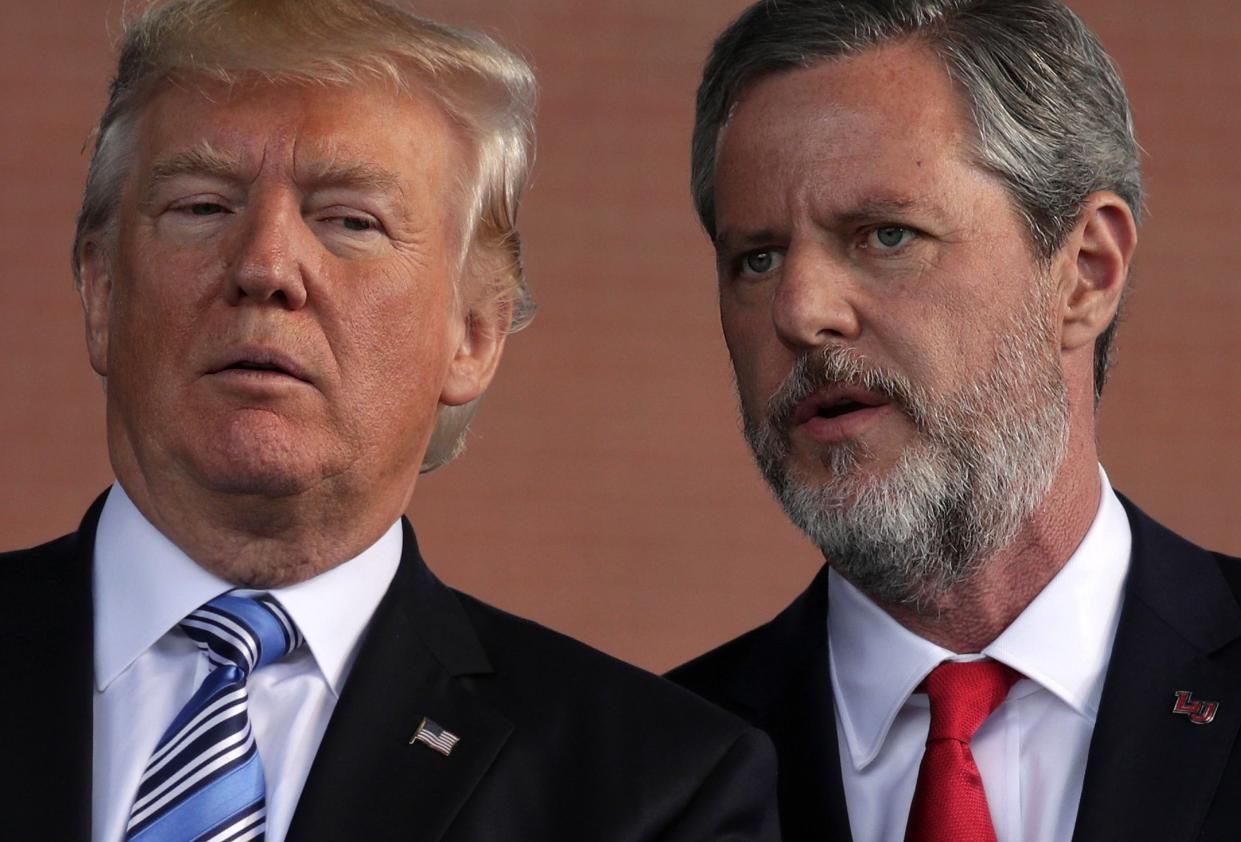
(607, 492)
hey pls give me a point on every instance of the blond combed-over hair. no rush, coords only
(486, 90)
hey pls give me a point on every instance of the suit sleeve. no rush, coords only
(737, 800)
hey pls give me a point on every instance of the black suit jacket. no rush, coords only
(557, 741)
(1151, 774)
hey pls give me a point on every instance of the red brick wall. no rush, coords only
(607, 492)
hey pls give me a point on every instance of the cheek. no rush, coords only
(943, 332)
(759, 359)
(159, 292)
(400, 336)
(148, 325)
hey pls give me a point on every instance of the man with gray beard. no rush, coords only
(956, 495)
(924, 213)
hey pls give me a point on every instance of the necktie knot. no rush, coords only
(963, 694)
(204, 779)
(242, 632)
(949, 801)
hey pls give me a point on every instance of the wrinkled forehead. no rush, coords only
(372, 133)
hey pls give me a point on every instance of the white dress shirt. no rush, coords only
(1031, 752)
(146, 668)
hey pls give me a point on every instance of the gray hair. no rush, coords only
(1052, 119)
(487, 91)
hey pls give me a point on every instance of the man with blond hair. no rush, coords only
(924, 213)
(298, 262)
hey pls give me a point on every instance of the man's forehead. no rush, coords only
(891, 84)
(366, 136)
(885, 126)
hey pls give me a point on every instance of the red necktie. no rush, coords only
(949, 801)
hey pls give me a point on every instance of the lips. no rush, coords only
(259, 360)
(838, 414)
(835, 402)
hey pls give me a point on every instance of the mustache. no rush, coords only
(838, 365)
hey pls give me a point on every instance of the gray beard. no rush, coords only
(982, 462)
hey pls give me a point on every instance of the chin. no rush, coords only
(267, 575)
(247, 480)
(851, 462)
(262, 465)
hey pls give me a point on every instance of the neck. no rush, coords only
(262, 541)
(974, 613)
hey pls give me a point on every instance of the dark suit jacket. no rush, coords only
(1151, 774)
(557, 741)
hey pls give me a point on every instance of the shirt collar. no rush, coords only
(333, 609)
(1061, 641)
(144, 585)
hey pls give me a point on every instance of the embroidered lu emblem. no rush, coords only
(1199, 712)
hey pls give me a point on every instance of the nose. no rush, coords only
(814, 301)
(270, 265)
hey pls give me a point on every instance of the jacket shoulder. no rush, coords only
(756, 666)
(61, 565)
(641, 750)
(714, 674)
(579, 680)
(46, 565)
(54, 580)
(1230, 566)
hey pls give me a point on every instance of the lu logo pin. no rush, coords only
(1199, 712)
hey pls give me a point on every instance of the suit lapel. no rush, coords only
(49, 635)
(791, 699)
(1152, 773)
(420, 658)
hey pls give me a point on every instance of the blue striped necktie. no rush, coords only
(204, 783)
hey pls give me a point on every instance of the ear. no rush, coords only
(95, 290)
(478, 351)
(1094, 267)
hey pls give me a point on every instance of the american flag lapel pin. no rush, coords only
(436, 736)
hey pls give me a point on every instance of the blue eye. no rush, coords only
(889, 236)
(760, 262)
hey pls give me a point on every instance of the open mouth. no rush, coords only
(840, 407)
(834, 404)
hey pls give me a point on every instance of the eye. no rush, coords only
(349, 220)
(197, 214)
(347, 230)
(199, 207)
(889, 237)
(761, 262)
(205, 208)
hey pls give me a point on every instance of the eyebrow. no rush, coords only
(882, 207)
(870, 210)
(358, 174)
(203, 159)
(726, 240)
